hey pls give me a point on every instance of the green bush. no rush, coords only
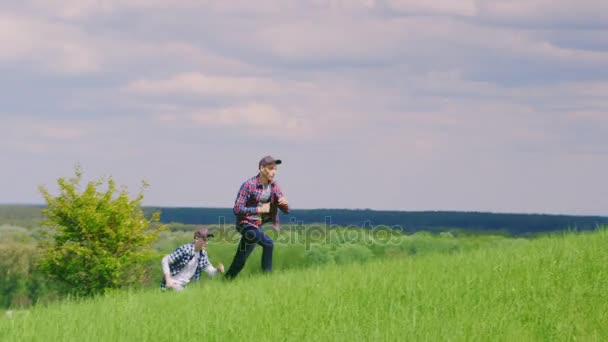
(12, 233)
(319, 255)
(352, 253)
(99, 240)
(20, 282)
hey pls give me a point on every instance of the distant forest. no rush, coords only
(408, 221)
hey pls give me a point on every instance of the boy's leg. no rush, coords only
(246, 246)
(267, 247)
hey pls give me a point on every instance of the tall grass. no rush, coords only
(548, 289)
(296, 248)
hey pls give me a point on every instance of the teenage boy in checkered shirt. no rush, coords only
(258, 202)
(187, 262)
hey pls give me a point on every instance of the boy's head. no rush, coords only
(201, 238)
(268, 167)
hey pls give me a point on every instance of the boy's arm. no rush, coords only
(212, 271)
(282, 201)
(167, 271)
(208, 267)
(170, 259)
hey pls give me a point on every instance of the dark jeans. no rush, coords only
(250, 236)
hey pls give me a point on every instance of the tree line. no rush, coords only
(30, 216)
(408, 221)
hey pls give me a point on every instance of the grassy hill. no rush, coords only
(550, 288)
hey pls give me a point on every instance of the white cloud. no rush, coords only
(167, 118)
(85, 9)
(25, 133)
(76, 9)
(253, 119)
(62, 133)
(33, 148)
(55, 47)
(132, 56)
(446, 7)
(342, 4)
(195, 83)
(253, 115)
(52, 46)
(327, 37)
(422, 43)
(599, 117)
(546, 13)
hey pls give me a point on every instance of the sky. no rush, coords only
(467, 105)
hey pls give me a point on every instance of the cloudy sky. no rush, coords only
(473, 105)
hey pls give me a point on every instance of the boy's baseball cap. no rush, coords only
(268, 160)
(203, 232)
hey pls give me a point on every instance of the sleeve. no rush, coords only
(165, 263)
(205, 265)
(170, 259)
(240, 204)
(210, 270)
(279, 194)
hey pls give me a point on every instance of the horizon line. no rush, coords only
(354, 209)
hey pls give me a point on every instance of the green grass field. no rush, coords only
(552, 288)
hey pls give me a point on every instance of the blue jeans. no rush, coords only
(250, 236)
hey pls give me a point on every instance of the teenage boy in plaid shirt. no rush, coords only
(187, 262)
(258, 202)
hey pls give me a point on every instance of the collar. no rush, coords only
(258, 182)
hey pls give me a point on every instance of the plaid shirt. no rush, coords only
(248, 198)
(180, 257)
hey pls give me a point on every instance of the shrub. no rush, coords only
(99, 240)
(352, 253)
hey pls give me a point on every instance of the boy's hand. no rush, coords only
(169, 283)
(283, 200)
(264, 208)
(220, 267)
